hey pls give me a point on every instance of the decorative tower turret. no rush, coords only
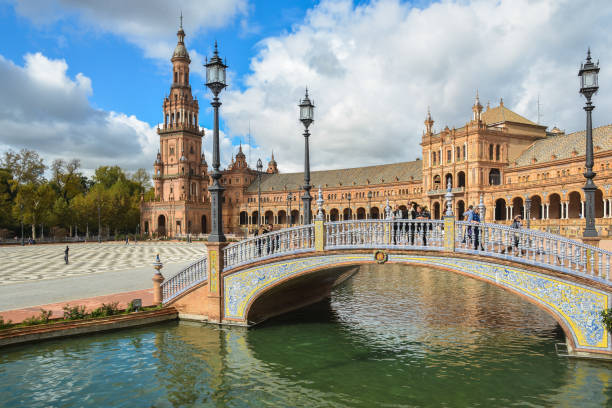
(477, 109)
(272, 167)
(429, 123)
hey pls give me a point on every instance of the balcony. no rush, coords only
(442, 192)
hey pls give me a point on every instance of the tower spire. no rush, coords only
(181, 24)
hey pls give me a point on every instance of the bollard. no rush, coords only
(158, 278)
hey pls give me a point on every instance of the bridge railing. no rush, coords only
(534, 248)
(271, 245)
(373, 234)
(184, 280)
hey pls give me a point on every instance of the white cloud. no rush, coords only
(149, 24)
(49, 112)
(373, 69)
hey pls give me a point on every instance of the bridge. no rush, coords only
(246, 282)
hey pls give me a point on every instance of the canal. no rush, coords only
(392, 335)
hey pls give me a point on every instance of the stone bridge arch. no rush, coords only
(270, 288)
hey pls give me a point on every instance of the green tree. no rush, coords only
(26, 166)
(108, 175)
(36, 201)
(6, 199)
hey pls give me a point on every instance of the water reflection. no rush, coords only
(390, 336)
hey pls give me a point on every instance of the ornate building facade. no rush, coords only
(498, 155)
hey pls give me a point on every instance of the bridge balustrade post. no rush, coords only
(449, 233)
(216, 263)
(319, 225)
(158, 279)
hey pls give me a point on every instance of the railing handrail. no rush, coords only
(184, 279)
(268, 234)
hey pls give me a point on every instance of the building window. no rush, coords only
(497, 152)
(449, 155)
(491, 152)
(433, 158)
(464, 154)
(458, 153)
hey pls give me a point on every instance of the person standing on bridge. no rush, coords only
(516, 224)
(476, 229)
(66, 254)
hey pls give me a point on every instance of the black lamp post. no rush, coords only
(307, 117)
(528, 210)
(215, 81)
(21, 218)
(588, 87)
(259, 170)
(289, 199)
(99, 224)
(370, 205)
(348, 196)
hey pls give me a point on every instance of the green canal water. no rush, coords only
(391, 336)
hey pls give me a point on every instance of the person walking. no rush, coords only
(127, 240)
(66, 254)
(469, 217)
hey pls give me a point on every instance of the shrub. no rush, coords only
(42, 318)
(106, 310)
(74, 312)
(5, 325)
(606, 319)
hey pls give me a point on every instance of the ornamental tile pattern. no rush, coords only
(576, 305)
(242, 287)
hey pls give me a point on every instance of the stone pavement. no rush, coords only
(36, 275)
(37, 262)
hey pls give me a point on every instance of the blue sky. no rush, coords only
(86, 78)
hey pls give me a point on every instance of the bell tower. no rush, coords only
(180, 170)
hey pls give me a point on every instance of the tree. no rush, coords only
(67, 180)
(37, 201)
(6, 198)
(25, 166)
(142, 178)
(108, 175)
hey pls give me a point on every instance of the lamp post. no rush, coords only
(21, 218)
(528, 210)
(259, 169)
(369, 205)
(307, 117)
(348, 196)
(99, 224)
(289, 199)
(588, 87)
(215, 81)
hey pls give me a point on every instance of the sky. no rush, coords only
(86, 79)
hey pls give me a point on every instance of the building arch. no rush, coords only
(295, 216)
(460, 209)
(575, 205)
(436, 210)
(268, 217)
(375, 212)
(437, 183)
(494, 177)
(461, 179)
(146, 227)
(244, 218)
(281, 217)
(334, 215)
(517, 206)
(535, 210)
(361, 213)
(346, 214)
(255, 218)
(161, 224)
(500, 210)
(554, 206)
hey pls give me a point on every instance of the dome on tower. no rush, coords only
(180, 51)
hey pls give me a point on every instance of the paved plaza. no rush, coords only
(37, 275)
(37, 262)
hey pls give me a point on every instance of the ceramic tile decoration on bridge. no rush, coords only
(569, 279)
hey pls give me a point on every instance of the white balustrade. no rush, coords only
(184, 280)
(273, 244)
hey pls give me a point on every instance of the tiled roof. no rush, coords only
(502, 114)
(562, 146)
(359, 176)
